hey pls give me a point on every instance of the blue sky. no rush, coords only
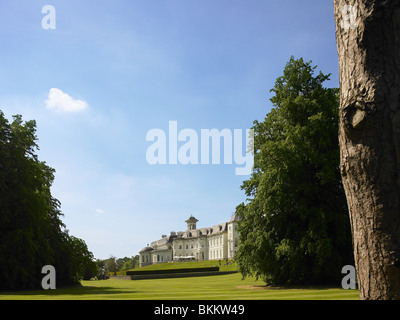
(119, 68)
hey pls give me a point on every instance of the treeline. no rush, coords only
(32, 234)
(113, 265)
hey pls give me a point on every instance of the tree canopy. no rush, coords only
(32, 234)
(294, 226)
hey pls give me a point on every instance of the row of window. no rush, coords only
(193, 245)
(213, 254)
(216, 254)
(160, 258)
(156, 258)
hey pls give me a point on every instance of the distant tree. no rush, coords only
(295, 228)
(111, 264)
(121, 261)
(130, 263)
(101, 268)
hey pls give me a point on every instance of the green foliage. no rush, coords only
(113, 265)
(31, 231)
(130, 263)
(295, 226)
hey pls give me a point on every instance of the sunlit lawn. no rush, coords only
(221, 287)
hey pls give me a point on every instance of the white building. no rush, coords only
(213, 243)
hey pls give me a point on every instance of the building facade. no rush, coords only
(213, 243)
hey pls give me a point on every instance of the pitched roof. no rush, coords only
(195, 233)
(191, 219)
(163, 240)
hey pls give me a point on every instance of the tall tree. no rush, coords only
(32, 234)
(368, 42)
(294, 228)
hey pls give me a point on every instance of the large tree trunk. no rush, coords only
(368, 41)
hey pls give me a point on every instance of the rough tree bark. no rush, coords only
(368, 42)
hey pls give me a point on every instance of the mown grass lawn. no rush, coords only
(221, 287)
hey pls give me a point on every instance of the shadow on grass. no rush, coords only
(275, 287)
(74, 291)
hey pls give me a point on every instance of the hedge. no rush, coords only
(165, 271)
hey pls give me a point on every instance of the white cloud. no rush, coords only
(61, 101)
(99, 210)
